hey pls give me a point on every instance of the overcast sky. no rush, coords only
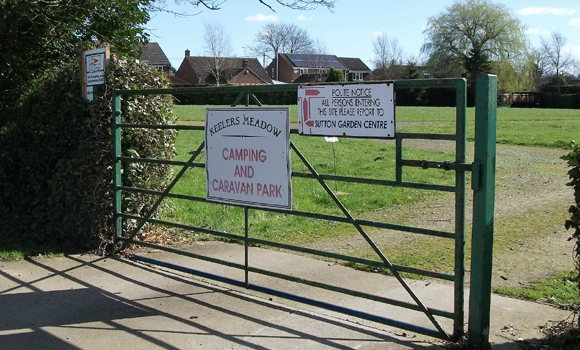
(350, 29)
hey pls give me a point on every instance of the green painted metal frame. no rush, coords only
(458, 166)
(483, 184)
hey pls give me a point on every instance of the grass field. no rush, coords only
(526, 127)
(517, 126)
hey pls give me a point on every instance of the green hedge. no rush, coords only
(564, 89)
(266, 98)
(56, 151)
(573, 223)
(563, 101)
(440, 97)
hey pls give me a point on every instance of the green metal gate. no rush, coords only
(483, 182)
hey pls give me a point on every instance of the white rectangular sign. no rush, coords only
(358, 110)
(95, 66)
(247, 156)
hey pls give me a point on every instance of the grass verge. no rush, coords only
(560, 289)
(17, 251)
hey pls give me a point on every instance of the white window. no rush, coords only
(357, 76)
(303, 71)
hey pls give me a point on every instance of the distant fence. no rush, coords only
(539, 100)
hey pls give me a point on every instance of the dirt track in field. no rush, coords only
(530, 210)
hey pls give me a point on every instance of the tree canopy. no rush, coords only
(39, 35)
(470, 35)
(334, 76)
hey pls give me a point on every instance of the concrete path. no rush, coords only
(90, 302)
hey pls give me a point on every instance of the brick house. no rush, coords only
(308, 68)
(356, 69)
(154, 56)
(199, 70)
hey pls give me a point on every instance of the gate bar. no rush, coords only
(328, 217)
(326, 254)
(167, 190)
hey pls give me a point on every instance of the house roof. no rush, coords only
(154, 55)
(231, 66)
(307, 78)
(173, 80)
(354, 64)
(314, 60)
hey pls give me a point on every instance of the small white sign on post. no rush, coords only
(357, 110)
(248, 157)
(95, 63)
(93, 69)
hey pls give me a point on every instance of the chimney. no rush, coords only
(244, 63)
(187, 53)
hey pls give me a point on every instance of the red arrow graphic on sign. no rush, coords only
(310, 123)
(95, 60)
(311, 92)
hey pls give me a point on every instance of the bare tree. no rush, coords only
(269, 41)
(416, 59)
(554, 56)
(293, 4)
(539, 67)
(320, 59)
(217, 45)
(298, 40)
(388, 55)
(576, 68)
(275, 38)
(318, 47)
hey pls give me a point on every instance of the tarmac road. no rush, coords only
(92, 302)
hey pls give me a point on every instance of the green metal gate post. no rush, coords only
(460, 156)
(483, 183)
(116, 131)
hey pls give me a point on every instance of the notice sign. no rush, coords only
(247, 156)
(361, 110)
(95, 62)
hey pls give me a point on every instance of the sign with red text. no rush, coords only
(357, 110)
(247, 156)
